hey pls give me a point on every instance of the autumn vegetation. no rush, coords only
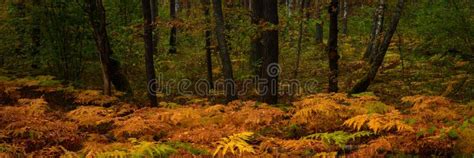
(343, 78)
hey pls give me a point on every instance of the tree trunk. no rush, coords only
(111, 71)
(380, 52)
(230, 91)
(270, 68)
(344, 17)
(154, 15)
(319, 25)
(206, 4)
(172, 42)
(256, 45)
(300, 38)
(289, 6)
(149, 47)
(35, 34)
(377, 28)
(333, 11)
(96, 13)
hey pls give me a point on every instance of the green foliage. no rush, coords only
(339, 138)
(141, 149)
(453, 19)
(293, 131)
(151, 149)
(236, 144)
(453, 134)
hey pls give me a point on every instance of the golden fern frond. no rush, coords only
(235, 142)
(92, 150)
(374, 148)
(326, 155)
(93, 97)
(68, 154)
(378, 122)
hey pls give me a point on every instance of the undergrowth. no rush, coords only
(320, 125)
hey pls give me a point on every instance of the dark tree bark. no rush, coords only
(230, 91)
(172, 42)
(148, 39)
(319, 26)
(35, 34)
(20, 13)
(270, 68)
(380, 52)
(111, 71)
(256, 43)
(206, 4)
(333, 11)
(377, 30)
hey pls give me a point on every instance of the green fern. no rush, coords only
(113, 154)
(151, 149)
(339, 138)
(235, 143)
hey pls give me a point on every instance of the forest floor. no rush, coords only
(41, 117)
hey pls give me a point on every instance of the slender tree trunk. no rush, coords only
(173, 32)
(344, 17)
(96, 13)
(289, 6)
(377, 28)
(333, 11)
(230, 91)
(256, 43)
(154, 15)
(270, 67)
(300, 38)
(111, 71)
(149, 47)
(35, 34)
(206, 4)
(319, 25)
(379, 55)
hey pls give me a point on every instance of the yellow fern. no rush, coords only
(236, 143)
(93, 97)
(378, 122)
(326, 155)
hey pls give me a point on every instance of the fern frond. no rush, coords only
(188, 147)
(235, 142)
(113, 154)
(151, 149)
(339, 138)
(378, 122)
(326, 155)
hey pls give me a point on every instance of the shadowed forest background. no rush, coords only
(94, 78)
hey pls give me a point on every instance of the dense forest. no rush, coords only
(236, 78)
